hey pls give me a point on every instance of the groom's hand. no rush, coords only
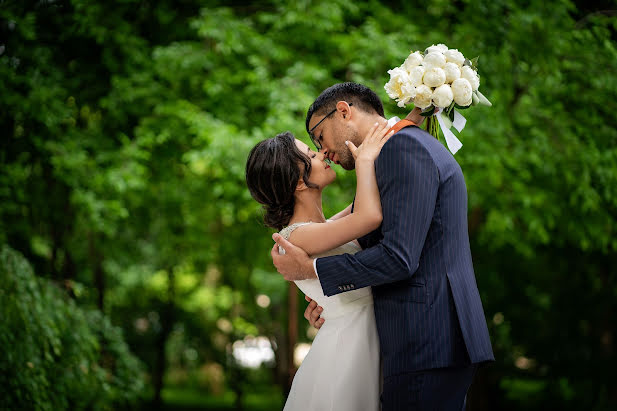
(295, 264)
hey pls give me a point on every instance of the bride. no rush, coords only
(288, 178)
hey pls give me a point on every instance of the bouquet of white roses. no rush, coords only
(438, 81)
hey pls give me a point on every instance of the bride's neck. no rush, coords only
(308, 207)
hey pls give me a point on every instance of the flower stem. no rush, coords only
(432, 126)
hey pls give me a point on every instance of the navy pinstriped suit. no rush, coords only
(427, 306)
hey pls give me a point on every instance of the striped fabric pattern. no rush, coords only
(427, 305)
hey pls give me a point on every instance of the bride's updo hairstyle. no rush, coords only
(273, 169)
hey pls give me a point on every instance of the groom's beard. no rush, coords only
(346, 159)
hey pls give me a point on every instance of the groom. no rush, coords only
(430, 320)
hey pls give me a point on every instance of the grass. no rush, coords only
(192, 399)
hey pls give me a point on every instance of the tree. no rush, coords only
(57, 355)
(128, 126)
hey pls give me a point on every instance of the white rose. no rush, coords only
(413, 60)
(434, 77)
(440, 48)
(408, 92)
(424, 96)
(442, 96)
(392, 88)
(434, 59)
(452, 72)
(461, 91)
(398, 77)
(416, 74)
(470, 75)
(454, 56)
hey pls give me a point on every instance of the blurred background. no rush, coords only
(134, 265)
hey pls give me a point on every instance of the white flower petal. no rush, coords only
(439, 48)
(452, 72)
(408, 91)
(442, 96)
(470, 75)
(434, 59)
(416, 74)
(424, 96)
(413, 60)
(454, 56)
(434, 77)
(461, 90)
(398, 77)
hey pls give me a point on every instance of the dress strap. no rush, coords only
(286, 232)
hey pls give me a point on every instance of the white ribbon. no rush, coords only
(452, 142)
(459, 121)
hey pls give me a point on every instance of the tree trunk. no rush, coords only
(167, 319)
(96, 261)
(237, 386)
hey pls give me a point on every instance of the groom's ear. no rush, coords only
(345, 109)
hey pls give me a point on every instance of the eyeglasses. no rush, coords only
(312, 136)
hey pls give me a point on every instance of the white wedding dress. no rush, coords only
(341, 372)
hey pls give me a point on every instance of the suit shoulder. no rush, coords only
(416, 139)
(405, 151)
(406, 141)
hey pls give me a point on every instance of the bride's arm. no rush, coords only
(415, 117)
(346, 211)
(317, 238)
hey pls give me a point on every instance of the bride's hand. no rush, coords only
(372, 144)
(415, 117)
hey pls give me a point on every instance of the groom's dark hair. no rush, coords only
(361, 96)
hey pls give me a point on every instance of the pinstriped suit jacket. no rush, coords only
(427, 305)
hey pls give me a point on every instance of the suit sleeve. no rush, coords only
(408, 181)
(369, 239)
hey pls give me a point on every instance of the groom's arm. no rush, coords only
(408, 183)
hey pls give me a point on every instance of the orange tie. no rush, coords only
(401, 125)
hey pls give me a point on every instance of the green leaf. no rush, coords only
(475, 100)
(429, 112)
(461, 107)
(482, 100)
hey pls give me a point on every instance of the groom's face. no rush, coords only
(332, 133)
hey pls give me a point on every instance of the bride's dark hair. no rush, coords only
(273, 169)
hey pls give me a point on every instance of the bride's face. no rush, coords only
(321, 172)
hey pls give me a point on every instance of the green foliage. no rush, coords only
(57, 355)
(128, 125)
